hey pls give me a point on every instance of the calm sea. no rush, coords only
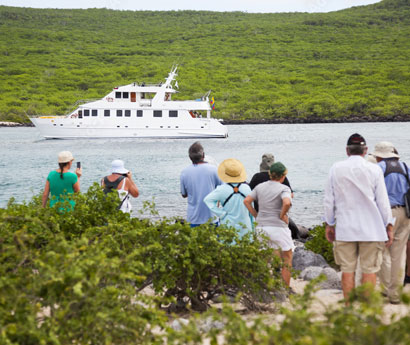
(308, 150)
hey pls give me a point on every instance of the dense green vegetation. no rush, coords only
(318, 243)
(289, 67)
(76, 278)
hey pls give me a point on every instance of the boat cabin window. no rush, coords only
(125, 95)
(173, 113)
(127, 113)
(139, 113)
(94, 112)
(118, 94)
(86, 112)
(157, 113)
(119, 113)
(106, 112)
(80, 114)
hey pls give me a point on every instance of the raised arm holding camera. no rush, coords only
(120, 180)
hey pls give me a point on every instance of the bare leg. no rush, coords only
(287, 265)
(408, 259)
(369, 278)
(348, 284)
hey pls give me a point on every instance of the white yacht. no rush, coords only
(136, 111)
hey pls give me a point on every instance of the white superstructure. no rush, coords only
(136, 111)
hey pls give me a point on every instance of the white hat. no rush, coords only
(65, 157)
(117, 166)
(385, 149)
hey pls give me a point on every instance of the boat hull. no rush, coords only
(63, 128)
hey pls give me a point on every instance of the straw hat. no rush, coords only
(117, 167)
(385, 149)
(231, 171)
(65, 157)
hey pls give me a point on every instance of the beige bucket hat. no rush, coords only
(232, 171)
(385, 149)
(65, 157)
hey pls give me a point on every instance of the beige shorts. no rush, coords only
(371, 255)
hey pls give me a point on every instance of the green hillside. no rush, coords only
(346, 65)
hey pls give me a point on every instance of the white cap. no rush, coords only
(117, 166)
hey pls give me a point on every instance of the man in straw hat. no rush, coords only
(394, 258)
(230, 196)
(197, 181)
(357, 214)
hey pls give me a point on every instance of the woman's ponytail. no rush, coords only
(62, 165)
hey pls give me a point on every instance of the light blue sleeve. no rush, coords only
(183, 190)
(211, 200)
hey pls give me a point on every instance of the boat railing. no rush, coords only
(80, 102)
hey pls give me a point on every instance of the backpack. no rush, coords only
(407, 195)
(235, 191)
(110, 186)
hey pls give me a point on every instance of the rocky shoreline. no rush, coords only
(311, 119)
(15, 124)
(316, 119)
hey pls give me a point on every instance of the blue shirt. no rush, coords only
(396, 185)
(197, 181)
(234, 213)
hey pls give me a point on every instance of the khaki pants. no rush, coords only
(392, 272)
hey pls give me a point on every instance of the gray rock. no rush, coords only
(299, 243)
(303, 258)
(303, 231)
(332, 278)
(177, 324)
(311, 272)
(209, 323)
(333, 281)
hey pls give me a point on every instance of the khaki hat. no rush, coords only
(65, 157)
(385, 149)
(370, 158)
(267, 161)
(231, 171)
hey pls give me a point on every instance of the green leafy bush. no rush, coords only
(363, 322)
(318, 243)
(75, 277)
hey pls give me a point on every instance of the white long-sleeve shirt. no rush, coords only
(356, 201)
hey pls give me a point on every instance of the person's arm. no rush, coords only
(248, 204)
(286, 204)
(211, 201)
(382, 200)
(76, 186)
(46, 193)
(329, 201)
(184, 192)
(132, 187)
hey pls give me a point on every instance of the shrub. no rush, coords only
(195, 264)
(318, 243)
(362, 322)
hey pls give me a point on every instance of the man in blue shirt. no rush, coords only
(197, 181)
(393, 267)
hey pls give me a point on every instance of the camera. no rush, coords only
(79, 165)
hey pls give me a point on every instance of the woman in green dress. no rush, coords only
(62, 182)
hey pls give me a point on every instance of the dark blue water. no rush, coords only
(308, 150)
